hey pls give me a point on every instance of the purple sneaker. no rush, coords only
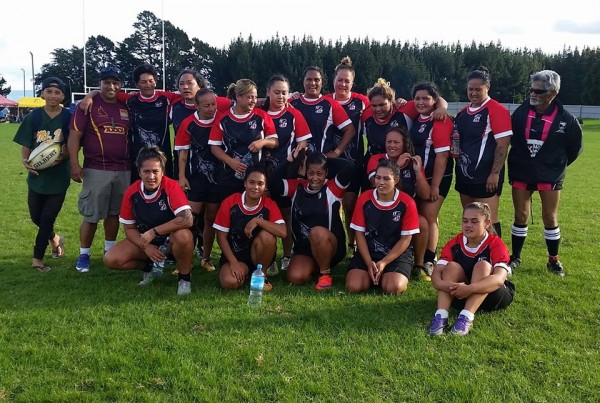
(461, 326)
(438, 324)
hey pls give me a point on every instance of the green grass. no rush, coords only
(66, 336)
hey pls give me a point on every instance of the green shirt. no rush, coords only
(52, 180)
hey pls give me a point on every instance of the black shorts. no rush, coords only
(403, 264)
(444, 185)
(540, 186)
(281, 201)
(356, 182)
(338, 256)
(202, 190)
(499, 299)
(243, 256)
(478, 190)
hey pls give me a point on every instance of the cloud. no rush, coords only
(574, 27)
(508, 30)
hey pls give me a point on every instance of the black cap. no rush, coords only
(110, 72)
(54, 82)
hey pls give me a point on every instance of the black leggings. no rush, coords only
(43, 210)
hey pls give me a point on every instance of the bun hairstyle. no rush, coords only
(151, 153)
(201, 81)
(201, 92)
(481, 73)
(484, 210)
(241, 87)
(407, 145)
(382, 88)
(274, 79)
(345, 64)
(428, 86)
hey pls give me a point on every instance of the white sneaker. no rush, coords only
(272, 270)
(184, 287)
(147, 278)
(285, 262)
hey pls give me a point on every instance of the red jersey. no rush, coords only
(291, 128)
(193, 136)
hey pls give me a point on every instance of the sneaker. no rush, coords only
(461, 326)
(438, 324)
(422, 272)
(184, 287)
(325, 282)
(514, 262)
(147, 278)
(556, 267)
(272, 270)
(285, 262)
(268, 286)
(207, 265)
(83, 263)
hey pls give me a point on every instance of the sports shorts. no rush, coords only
(102, 193)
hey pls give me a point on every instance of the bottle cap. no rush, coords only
(259, 266)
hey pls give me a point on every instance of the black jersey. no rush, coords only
(354, 107)
(384, 223)
(479, 129)
(234, 215)
(491, 249)
(149, 211)
(325, 118)
(408, 177)
(291, 128)
(314, 208)
(430, 137)
(193, 136)
(375, 129)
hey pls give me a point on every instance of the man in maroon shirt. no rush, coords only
(102, 134)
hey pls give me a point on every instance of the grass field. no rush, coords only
(66, 336)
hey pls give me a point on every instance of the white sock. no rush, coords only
(469, 315)
(108, 245)
(85, 251)
(442, 312)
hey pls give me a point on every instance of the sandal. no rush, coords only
(43, 268)
(59, 251)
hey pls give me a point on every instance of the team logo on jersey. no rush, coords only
(162, 205)
(394, 123)
(406, 174)
(283, 123)
(477, 118)
(485, 259)
(148, 138)
(561, 127)
(109, 129)
(102, 112)
(396, 216)
(260, 216)
(124, 114)
(352, 107)
(158, 104)
(422, 128)
(463, 163)
(319, 109)
(534, 146)
(253, 125)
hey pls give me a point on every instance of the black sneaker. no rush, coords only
(514, 262)
(556, 267)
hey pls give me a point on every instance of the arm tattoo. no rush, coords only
(184, 218)
(499, 159)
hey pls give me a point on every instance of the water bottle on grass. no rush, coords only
(257, 283)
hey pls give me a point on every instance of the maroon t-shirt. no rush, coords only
(105, 135)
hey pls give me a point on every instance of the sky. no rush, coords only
(39, 26)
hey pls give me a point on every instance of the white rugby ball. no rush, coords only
(44, 155)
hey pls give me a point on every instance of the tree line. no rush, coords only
(401, 63)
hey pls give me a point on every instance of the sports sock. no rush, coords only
(85, 251)
(518, 234)
(468, 314)
(429, 256)
(442, 312)
(186, 277)
(552, 236)
(328, 271)
(108, 244)
(498, 228)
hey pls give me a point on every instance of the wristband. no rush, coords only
(155, 232)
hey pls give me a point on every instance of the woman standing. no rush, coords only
(485, 129)
(431, 140)
(384, 220)
(546, 139)
(46, 188)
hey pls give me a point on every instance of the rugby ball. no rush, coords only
(44, 155)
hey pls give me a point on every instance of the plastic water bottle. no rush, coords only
(158, 267)
(257, 283)
(246, 160)
(455, 143)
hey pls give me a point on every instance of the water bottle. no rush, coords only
(158, 267)
(246, 160)
(455, 143)
(257, 282)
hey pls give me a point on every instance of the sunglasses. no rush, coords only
(538, 92)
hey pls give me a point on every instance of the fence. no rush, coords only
(580, 111)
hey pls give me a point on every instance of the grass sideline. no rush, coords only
(66, 336)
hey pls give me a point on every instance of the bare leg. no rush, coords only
(393, 283)
(323, 245)
(454, 273)
(301, 269)
(348, 203)
(357, 280)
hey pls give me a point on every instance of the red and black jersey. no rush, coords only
(180, 110)
(354, 107)
(479, 129)
(375, 129)
(325, 118)
(314, 208)
(147, 211)
(234, 215)
(291, 128)
(543, 145)
(430, 137)
(408, 177)
(193, 136)
(384, 223)
(492, 249)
